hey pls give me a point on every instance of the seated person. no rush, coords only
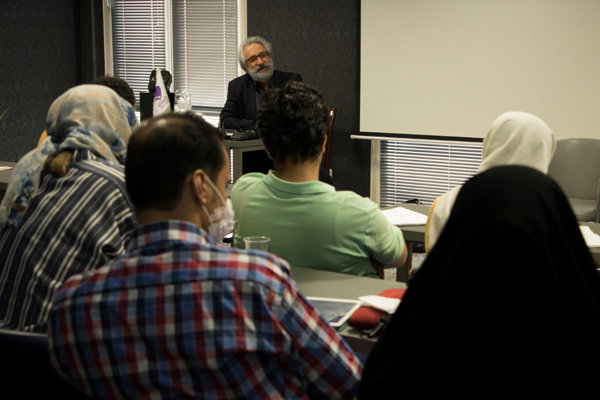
(508, 301)
(117, 84)
(515, 138)
(244, 95)
(179, 315)
(245, 92)
(309, 223)
(66, 209)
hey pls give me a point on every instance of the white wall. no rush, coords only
(450, 67)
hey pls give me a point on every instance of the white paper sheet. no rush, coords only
(591, 239)
(386, 304)
(403, 216)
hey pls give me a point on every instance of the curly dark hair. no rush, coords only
(292, 121)
(164, 151)
(118, 85)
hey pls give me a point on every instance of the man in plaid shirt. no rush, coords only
(179, 315)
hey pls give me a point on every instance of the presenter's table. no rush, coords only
(237, 148)
(318, 283)
(413, 234)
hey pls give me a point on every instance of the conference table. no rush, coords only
(414, 234)
(319, 283)
(237, 148)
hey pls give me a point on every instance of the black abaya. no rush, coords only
(508, 301)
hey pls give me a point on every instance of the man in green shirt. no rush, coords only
(309, 223)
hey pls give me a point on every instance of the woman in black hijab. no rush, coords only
(508, 301)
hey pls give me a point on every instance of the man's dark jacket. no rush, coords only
(239, 111)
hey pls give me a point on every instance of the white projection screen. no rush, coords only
(450, 67)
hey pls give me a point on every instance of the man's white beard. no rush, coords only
(264, 75)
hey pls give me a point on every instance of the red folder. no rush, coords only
(366, 317)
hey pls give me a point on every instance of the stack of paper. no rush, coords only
(401, 216)
(591, 239)
(380, 303)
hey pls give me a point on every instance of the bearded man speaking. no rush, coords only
(245, 92)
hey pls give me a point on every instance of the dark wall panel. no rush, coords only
(39, 62)
(46, 49)
(320, 40)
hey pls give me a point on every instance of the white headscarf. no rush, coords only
(515, 138)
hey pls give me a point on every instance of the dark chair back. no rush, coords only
(27, 372)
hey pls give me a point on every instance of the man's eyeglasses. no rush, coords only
(254, 59)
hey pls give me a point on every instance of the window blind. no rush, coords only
(138, 41)
(205, 37)
(424, 169)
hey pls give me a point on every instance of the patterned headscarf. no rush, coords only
(89, 117)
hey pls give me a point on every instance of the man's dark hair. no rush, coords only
(292, 121)
(118, 85)
(164, 151)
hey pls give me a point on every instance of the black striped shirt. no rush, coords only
(73, 224)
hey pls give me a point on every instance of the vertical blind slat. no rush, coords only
(424, 169)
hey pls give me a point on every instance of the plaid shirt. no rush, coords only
(180, 316)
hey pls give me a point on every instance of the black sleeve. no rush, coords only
(230, 114)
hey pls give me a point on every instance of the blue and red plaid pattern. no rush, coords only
(180, 316)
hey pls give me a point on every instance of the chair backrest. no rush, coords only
(326, 156)
(27, 372)
(576, 167)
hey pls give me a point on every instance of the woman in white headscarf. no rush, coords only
(515, 138)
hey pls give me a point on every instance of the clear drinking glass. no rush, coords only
(183, 100)
(257, 242)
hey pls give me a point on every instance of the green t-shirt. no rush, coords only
(313, 226)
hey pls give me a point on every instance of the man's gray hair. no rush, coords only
(252, 39)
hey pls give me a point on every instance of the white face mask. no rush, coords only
(220, 222)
